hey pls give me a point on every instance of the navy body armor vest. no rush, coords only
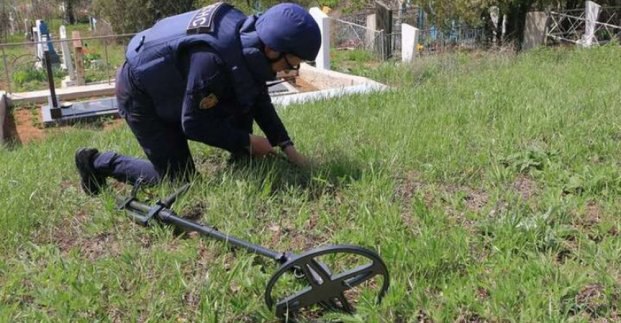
(152, 55)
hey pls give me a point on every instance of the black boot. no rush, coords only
(90, 181)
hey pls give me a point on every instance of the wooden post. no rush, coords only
(79, 57)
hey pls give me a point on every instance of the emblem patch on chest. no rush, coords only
(208, 102)
(202, 21)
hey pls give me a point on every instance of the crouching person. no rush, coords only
(202, 76)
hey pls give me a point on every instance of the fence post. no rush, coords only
(107, 60)
(323, 58)
(409, 41)
(6, 70)
(79, 57)
(381, 45)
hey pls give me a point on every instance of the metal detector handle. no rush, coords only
(135, 214)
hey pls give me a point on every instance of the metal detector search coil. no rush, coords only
(324, 288)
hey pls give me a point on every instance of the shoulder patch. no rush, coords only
(202, 21)
(208, 102)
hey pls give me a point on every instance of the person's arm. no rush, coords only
(204, 115)
(268, 120)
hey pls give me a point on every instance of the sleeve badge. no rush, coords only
(208, 102)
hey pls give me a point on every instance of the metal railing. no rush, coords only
(569, 26)
(352, 35)
(22, 68)
(349, 35)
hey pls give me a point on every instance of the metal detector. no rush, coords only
(324, 287)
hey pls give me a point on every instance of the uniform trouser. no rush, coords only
(164, 143)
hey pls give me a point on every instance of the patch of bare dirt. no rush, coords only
(192, 299)
(567, 250)
(301, 239)
(482, 293)
(592, 300)
(423, 317)
(25, 125)
(469, 317)
(593, 213)
(70, 235)
(406, 188)
(303, 86)
(476, 200)
(102, 245)
(589, 222)
(525, 186)
(591, 217)
(115, 314)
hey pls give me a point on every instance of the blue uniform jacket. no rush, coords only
(192, 82)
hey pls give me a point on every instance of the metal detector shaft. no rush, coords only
(168, 216)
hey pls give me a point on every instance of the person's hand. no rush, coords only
(295, 157)
(260, 146)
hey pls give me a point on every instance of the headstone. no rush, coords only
(384, 23)
(67, 64)
(323, 57)
(409, 40)
(371, 33)
(534, 29)
(39, 46)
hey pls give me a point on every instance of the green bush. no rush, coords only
(28, 75)
(30, 78)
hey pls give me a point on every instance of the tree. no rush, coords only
(4, 22)
(69, 16)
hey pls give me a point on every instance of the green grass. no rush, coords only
(489, 184)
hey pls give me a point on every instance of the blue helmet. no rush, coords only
(289, 28)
